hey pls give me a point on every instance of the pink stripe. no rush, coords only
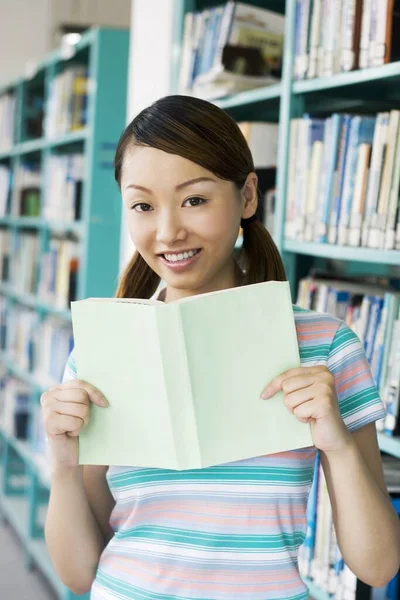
(121, 565)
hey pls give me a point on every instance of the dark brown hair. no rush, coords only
(206, 135)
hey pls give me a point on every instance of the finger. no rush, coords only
(76, 396)
(294, 399)
(73, 409)
(305, 412)
(276, 384)
(94, 393)
(59, 424)
(291, 384)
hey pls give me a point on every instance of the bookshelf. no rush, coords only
(99, 62)
(368, 90)
(287, 100)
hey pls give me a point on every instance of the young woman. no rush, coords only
(229, 532)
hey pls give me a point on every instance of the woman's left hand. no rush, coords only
(309, 393)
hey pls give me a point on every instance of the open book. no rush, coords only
(184, 378)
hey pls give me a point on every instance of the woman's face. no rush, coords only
(184, 220)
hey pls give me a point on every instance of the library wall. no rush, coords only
(24, 36)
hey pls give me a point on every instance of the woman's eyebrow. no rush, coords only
(191, 181)
(178, 187)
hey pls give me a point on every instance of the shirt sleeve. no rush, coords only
(359, 400)
(70, 369)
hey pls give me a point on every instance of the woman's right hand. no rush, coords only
(66, 411)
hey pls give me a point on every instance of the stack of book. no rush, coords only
(342, 35)
(24, 262)
(5, 186)
(25, 196)
(230, 48)
(59, 272)
(374, 315)
(343, 180)
(7, 111)
(67, 104)
(64, 194)
(320, 558)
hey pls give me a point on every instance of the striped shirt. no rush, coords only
(232, 531)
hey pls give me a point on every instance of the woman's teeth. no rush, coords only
(182, 256)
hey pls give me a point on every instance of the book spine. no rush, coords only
(393, 198)
(339, 177)
(365, 32)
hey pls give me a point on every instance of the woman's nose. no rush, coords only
(170, 228)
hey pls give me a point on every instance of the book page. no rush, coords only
(236, 344)
(117, 350)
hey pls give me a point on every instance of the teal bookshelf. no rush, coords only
(364, 89)
(103, 52)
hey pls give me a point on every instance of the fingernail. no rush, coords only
(267, 393)
(104, 401)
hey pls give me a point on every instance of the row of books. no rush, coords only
(230, 48)
(63, 198)
(343, 180)
(374, 315)
(320, 558)
(59, 267)
(333, 36)
(53, 276)
(7, 112)
(20, 191)
(68, 101)
(38, 346)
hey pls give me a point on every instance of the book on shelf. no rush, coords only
(58, 274)
(5, 254)
(373, 312)
(5, 188)
(26, 195)
(7, 121)
(67, 103)
(66, 175)
(230, 48)
(343, 35)
(320, 558)
(37, 346)
(344, 180)
(23, 262)
(201, 405)
(15, 402)
(262, 139)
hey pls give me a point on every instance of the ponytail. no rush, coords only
(259, 257)
(138, 279)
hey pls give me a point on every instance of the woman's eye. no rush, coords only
(143, 207)
(195, 201)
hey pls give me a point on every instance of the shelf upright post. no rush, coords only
(285, 112)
